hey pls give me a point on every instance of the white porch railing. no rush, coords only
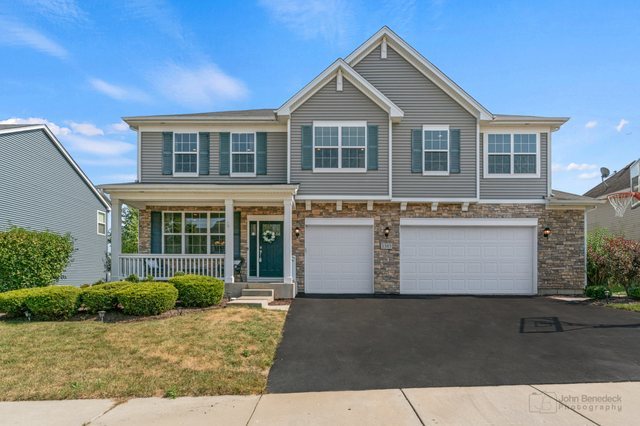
(164, 266)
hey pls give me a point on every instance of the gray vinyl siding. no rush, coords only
(40, 190)
(349, 104)
(604, 216)
(522, 188)
(423, 103)
(151, 161)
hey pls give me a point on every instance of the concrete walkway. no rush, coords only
(598, 403)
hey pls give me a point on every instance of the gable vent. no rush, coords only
(383, 48)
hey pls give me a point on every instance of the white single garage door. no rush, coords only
(467, 256)
(338, 256)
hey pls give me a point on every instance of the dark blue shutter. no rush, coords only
(261, 153)
(225, 141)
(236, 236)
(307, 147)
(204, 153)
(372, 147)
(167, 153)
(454, 150)
(156, 232)
(416, 151)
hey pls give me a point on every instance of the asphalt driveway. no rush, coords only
(379, 343)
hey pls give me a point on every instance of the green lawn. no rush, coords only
(626, 306)
(213, 352)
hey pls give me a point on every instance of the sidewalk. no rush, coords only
(598, 403)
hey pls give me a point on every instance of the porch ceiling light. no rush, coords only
(386, 232)
(546, 232)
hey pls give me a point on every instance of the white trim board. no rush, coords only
(341, 221)
(468, 222)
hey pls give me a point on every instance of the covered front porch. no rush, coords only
(204, 228)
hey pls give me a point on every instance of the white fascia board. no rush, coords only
(433, 200)
(342, 197)
(513, 201)
(423, 65)
(350, 74)
(105, 202)
(404, 221)
(344, 221)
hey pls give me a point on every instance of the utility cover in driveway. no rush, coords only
(466, 260)
(339, 259)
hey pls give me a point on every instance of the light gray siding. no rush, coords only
(349, 104)
(604, 216)
(423, 103)
(40, 190)
(523, 188)
(151, 161)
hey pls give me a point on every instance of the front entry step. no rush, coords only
(260, 297)
(261, 292)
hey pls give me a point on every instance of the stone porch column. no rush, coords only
(287, 242)
(228, 242)
(116, 238)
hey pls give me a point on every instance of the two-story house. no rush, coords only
(379, 176)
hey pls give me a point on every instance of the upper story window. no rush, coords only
(185, 154)
(102, 223)
(512, 155)
(340, 146)
(436, 150)
(193, 233)
(243, 154)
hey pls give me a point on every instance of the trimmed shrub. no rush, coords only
(147, 298)
(596, 291)
(32, 258)
(133, 278)
(198, 290)
(103, 297)
(44, 303)
(634, 292)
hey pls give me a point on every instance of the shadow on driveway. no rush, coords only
(351, 343)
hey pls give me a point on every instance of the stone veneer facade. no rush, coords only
(561, 257)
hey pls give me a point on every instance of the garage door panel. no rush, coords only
(338, 259)
(466, 260)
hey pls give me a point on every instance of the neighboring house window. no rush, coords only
(243, 154)
(339, 146)
(102, 223)
(436, 150)
(193, 233)
(512, 155)
(185, 154)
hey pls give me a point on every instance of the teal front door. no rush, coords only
(265, 249)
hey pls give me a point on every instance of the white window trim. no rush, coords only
(339, 147)
(448, 150)
(98, 223)
(255, 154)
(511, 175)
(183, 233)
(196, 174)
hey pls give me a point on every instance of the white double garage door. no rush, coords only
(437, 256)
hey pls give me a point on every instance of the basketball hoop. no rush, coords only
(622, 200)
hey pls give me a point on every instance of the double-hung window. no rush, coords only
(185, 154)
(512, 155)
(102, 223)
(193, 232)
(243, 154)
(435, 148)
(340, 146)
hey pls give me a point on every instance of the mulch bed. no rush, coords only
(281, 302)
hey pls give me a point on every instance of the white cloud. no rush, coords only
(58, 10)
(587, 176)
(591, 124)
(109, 147)
(120, 127)
(327, 19)
(198, 87)
(119, 93)
(14, 33)
(621, 125)
(571, 167)
(57, 130)
(86, 129)
(120, 177)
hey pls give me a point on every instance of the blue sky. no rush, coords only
(82, 65)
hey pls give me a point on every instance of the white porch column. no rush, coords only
(228, 241)
(116, 238)
(286, 235)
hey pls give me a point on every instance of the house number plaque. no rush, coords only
(385, 245)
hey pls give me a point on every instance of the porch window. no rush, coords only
(185, 157)
(243, 154)
(193, 232)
